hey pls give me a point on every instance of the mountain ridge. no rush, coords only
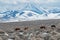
(29, 13)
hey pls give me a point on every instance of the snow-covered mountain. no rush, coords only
(28, 13)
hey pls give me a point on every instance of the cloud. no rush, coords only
(9, 1)
(50, 0)
(22, 1)
(14, 1)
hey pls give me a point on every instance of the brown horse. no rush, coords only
(26, 28)
(53, 26)
(42, 27)
(16, 29)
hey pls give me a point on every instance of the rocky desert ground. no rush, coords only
(31, 30)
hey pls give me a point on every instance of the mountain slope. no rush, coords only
(30, 12)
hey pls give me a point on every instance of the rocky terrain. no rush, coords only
(31, 30)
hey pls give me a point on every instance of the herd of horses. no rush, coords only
(42, 27)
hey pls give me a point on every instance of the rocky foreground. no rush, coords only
(26, 33)
(37, 30)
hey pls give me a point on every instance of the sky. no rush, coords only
(22, 1)
(17, 3)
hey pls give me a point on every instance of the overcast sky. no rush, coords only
(22, 1)
(10, 3)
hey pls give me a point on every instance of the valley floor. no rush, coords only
(31, 30)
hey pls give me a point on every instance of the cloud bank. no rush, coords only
(22, 1)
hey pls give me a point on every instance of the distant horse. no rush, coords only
(16, 29)
(25, 28)
(53, 26)
(42, 27)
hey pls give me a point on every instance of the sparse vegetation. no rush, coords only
(30, 31)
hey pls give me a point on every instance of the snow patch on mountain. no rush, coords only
(28, 13)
